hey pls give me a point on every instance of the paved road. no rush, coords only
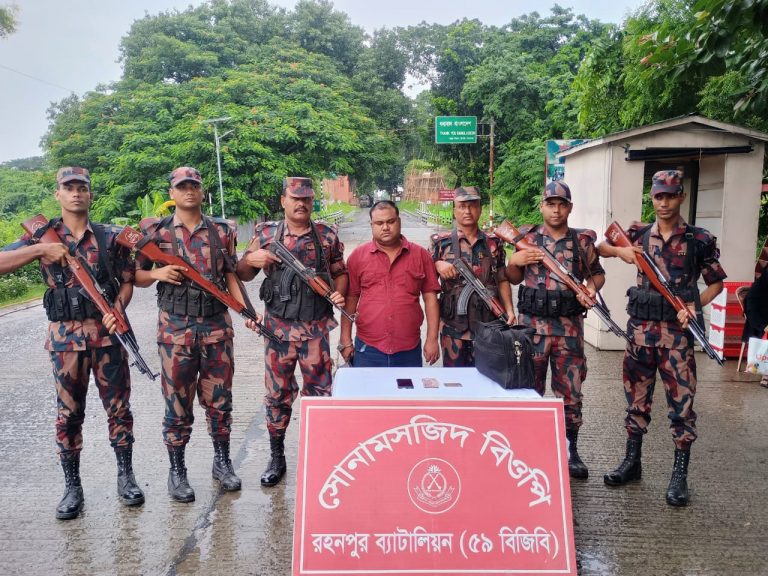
(618, 531)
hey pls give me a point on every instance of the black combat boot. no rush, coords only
(276, 469)
(222, 467)
(178, 487)
(677, 491)
(72, 501)
(630, 468)
(127, 489)
(576, 467)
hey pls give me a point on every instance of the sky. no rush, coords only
(71, 46)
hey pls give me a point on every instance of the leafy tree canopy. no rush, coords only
(291, 112)
(729, 35)
(7, 20)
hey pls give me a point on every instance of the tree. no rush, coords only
(8, 20)
(292, 113)
(23, 192)
(729, 34)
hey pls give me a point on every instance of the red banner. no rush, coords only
(432, 487)
(446, 194)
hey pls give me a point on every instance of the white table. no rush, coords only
(351, 383)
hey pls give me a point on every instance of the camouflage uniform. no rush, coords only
(196, 352)
(663, 345)
(78, 348)
(303, 342)
(559, 340)
(487, 259)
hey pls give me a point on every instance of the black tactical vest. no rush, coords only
(287, 296)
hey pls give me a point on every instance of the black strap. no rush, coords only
(55, 268)
(106, 259)
(576, 262)
(320, 261)
(214, 242)
(646, 232)
(455, 247)
(579, 260)
(690, 254)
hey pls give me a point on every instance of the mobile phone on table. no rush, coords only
(404, 383)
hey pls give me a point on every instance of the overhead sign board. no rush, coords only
(455, 129)
(432, 487)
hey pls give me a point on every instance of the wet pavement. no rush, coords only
(618, 531)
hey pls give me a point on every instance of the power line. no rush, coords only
(36, 78)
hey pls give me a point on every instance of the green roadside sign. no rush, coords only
(455, 129)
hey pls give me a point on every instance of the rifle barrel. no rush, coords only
(601, 311)
(133, 351)
(263, 330)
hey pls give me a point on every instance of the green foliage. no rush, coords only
(675, 57)
(28, 164)
(292, 113)
(23, 192)
(519, 75)
(721, 35)
(519, 182)
(8, 20)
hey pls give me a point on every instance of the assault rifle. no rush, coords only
(474, 286)
(90, 288)
(307, 275)
(617, 237)
(134, 240)
(507, 232)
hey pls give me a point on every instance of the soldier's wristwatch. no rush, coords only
(342, 347)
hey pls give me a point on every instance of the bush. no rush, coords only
(12, 287)
(17, 283)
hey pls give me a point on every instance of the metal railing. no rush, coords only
(333, 217)
(427, 217)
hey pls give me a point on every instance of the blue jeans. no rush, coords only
(369, 357)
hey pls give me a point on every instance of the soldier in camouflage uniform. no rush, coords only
(194, 330)
(79, 338)
(485, 254)
(298, 316)
(658, 332)
(553, 310)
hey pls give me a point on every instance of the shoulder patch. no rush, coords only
(586, 234)
(149, 224)
(325, 228)
(264, 225)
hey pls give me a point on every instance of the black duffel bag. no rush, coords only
(504, 353)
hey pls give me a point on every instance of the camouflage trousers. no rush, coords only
(677, 368)
(71, 372)
(457, 353)
(314, 360)
(565, 355)
(202, 369)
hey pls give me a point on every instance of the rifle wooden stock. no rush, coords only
(135, 240)
(507, 232)
(308, 276)
(618, 237)
(475, 286)
(94, 292)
